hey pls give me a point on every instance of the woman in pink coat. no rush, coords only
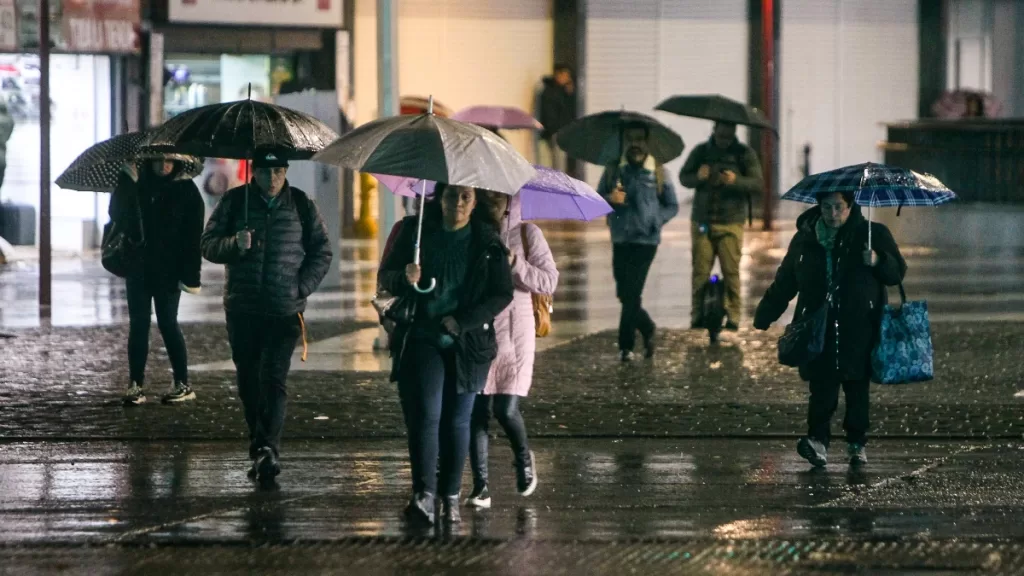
(533, 270)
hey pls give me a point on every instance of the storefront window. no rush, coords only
(80, 117)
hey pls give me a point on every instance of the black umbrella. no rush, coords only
(243, 129)
(718, 108)
(96, 169)
(597, 138)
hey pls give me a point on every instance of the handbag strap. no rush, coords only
(526, 245)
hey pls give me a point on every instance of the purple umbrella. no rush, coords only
(550, 195)
(500, 117)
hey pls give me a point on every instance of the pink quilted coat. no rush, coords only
(512, 371)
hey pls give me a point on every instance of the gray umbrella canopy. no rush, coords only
(430, 147)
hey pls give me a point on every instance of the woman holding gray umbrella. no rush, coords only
(442, 356)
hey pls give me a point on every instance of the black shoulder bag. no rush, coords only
(119, 253)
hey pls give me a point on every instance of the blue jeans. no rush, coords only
(436, 417)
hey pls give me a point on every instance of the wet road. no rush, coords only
(680, 465)
(333, 496)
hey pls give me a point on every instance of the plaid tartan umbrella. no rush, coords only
(874, 185)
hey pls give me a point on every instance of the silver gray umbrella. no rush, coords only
(429, 147)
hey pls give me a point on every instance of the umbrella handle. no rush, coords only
(428, 289)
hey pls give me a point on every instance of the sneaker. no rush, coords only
(856, 454)
(480, 498)
(421, 508)
(731, 326)
(649, 344)
(266, 465)
(626, 356)
(180, 392)
(134, 396)
(526, 476)
(813, 451)
(450, 509)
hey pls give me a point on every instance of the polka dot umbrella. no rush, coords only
(96, 169)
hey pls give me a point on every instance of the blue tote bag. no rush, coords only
(904, 352)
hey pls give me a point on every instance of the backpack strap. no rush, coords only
(302, 207)
(526, 245)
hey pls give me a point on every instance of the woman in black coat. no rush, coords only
(441, 358)
(831, 249)
(172, 214)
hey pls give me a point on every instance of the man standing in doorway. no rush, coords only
(557, 108)
(725, 174)
(644, 201)
(276, 257)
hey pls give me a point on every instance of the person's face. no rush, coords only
(834, 210)
(163, 167)
(270, 180)
(563, 77)
(498, 204)
(724, 134)
(457, 204)
(635, 143)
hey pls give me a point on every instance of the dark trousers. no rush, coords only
(825, 400)
(436, 417)
(141, 301)
(261, 347)
(630, 265)
(506, 410)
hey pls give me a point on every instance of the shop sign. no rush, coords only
(299, 13)
(76, 26)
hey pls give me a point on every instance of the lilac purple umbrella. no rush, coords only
(550, 195)
(500, 117)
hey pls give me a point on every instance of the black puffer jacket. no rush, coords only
(488, 290)
(860, 295)
(172, 217)
(275, 276)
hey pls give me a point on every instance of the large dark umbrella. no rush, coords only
(718, 108)
(597, 138)
(430, 147)
(243, 129)
(96, 169)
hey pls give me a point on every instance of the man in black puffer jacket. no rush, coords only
(275, 257)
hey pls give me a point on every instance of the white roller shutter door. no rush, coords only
(847, 67)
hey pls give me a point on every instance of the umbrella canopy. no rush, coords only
(597, 138)
(718, 108)
(431, 148)
(421, 105)
(875, 186)
(242, 129)
(499, 117)
(550, 195)
(96, 169)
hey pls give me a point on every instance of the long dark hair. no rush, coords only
(482, 214)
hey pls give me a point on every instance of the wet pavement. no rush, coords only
(683, 464)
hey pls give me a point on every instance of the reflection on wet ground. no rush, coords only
(590, 489)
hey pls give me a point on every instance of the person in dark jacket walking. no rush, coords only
(725, 174)
(644, 201)
(275, 259)
(172, 213)
(442, 358)
(557, 108)
(829, 256)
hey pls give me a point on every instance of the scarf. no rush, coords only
(827, 238)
